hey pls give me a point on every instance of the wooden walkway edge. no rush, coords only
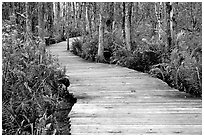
(117, 100)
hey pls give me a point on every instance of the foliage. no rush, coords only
(75, 32)
(137, 60)
(89, 48)
(184, 71)
(30, 90)
(77, 47)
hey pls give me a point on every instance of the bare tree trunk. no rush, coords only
(109, 22)
(100, 56)
(50, 19)
(84, 20)
(114, 10)
(88, 18)
(13, 15)
(41, 30)
(41, 21)
(95, 17)
(123, 22)
(28, 24)
(74, 14)
(79, 15)
(168, 26)
(128, 25)
(67, 21)
(171, 23)
(158, 15)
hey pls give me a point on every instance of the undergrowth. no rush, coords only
(31, 94)
(181, 68)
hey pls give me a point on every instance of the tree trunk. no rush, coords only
(50, 19)
(84, 20)
(95, 17)
(28, 25)
(41, 21)
(41, 29)
(128, 25)
(123, 21)
(114, 15)
(74, 14)
(158, 16)
(13, 15)
(168, 26)
(58, 29)
(79, 15)
(171, 24)
(100, 56)
(110, 20)
(88, 19)
(67, 21)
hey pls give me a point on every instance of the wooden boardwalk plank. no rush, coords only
(117, 100)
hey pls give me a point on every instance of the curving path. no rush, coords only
(117, 100)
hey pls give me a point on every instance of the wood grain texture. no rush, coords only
(117, 100)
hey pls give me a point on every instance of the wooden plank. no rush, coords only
(117, 100)
(137, 129)
(135, 115)
(168, 120)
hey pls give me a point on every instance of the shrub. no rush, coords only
(184, 72)
(77, 47)
(137, 60)
(75, 32)
(30, 88)
(90, 47)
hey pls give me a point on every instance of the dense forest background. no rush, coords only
(163, 39)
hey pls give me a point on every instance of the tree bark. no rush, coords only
(100, 56)
(28, 24)
(74, 14)
(168, 26)
(128, 25)
(95, 28)
(88, 19)
(50, 19)
(172, 24)
(58, 22)
(84, 20)
(123, 21)
(110, 20)
(41, 30)
(67, 23)
(158, 16)
(41, 21)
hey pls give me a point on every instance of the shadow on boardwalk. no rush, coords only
(117, 100)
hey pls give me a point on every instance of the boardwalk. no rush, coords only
(118, 100)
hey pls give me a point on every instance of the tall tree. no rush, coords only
(84, 20)
(41, 27)
(128, 25)
(158, 14)
(74, 14)
(58, 21)
(169, 26)
(28, 24)
(67, 22)
(123, 20)
(88, 18)
(50, 20)
(100, 56)
(41, 24)
(95, 15)
(110, 20)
